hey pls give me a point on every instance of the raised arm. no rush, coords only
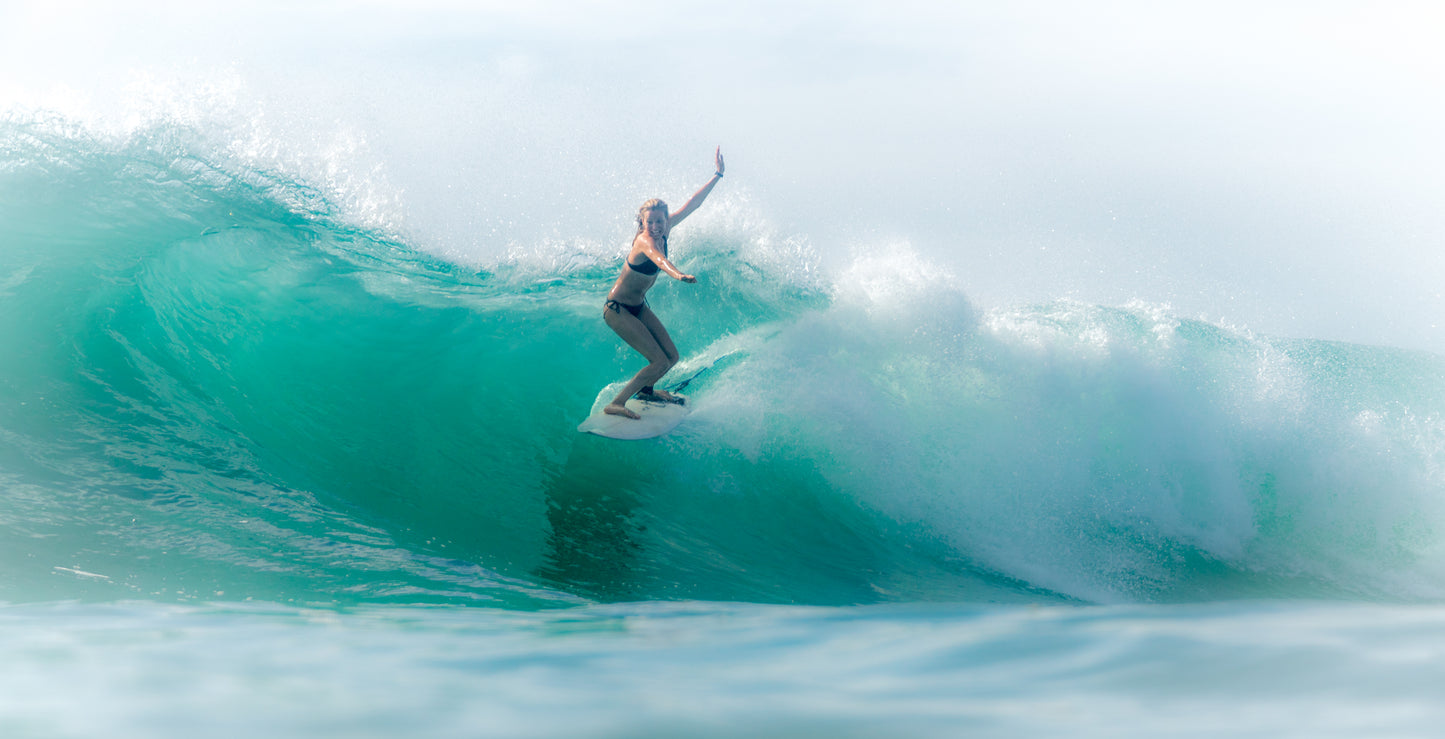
(699, 196)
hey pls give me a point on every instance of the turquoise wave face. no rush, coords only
(214, 387)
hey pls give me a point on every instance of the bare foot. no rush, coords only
(614, 409)
(659, 395)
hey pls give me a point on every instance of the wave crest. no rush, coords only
(218, 366)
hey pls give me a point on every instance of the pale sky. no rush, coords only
(1275, 165)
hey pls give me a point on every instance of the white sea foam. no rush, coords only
(473, 129)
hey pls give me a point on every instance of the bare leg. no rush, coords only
(638, 335)
(664, 340)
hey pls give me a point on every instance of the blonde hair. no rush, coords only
(653, 204)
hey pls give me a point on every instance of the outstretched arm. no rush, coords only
(699, 196)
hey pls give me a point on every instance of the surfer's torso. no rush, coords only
(638, 275)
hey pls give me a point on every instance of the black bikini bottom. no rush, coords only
(617, 307)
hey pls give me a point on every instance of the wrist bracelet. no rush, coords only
(719, 174)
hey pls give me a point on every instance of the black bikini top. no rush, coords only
(647, 267)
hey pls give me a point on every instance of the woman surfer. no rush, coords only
(626, 308)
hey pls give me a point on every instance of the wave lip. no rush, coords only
(219, 377)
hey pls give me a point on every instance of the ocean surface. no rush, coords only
(267, 468)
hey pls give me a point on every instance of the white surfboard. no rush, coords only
(656, 418)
